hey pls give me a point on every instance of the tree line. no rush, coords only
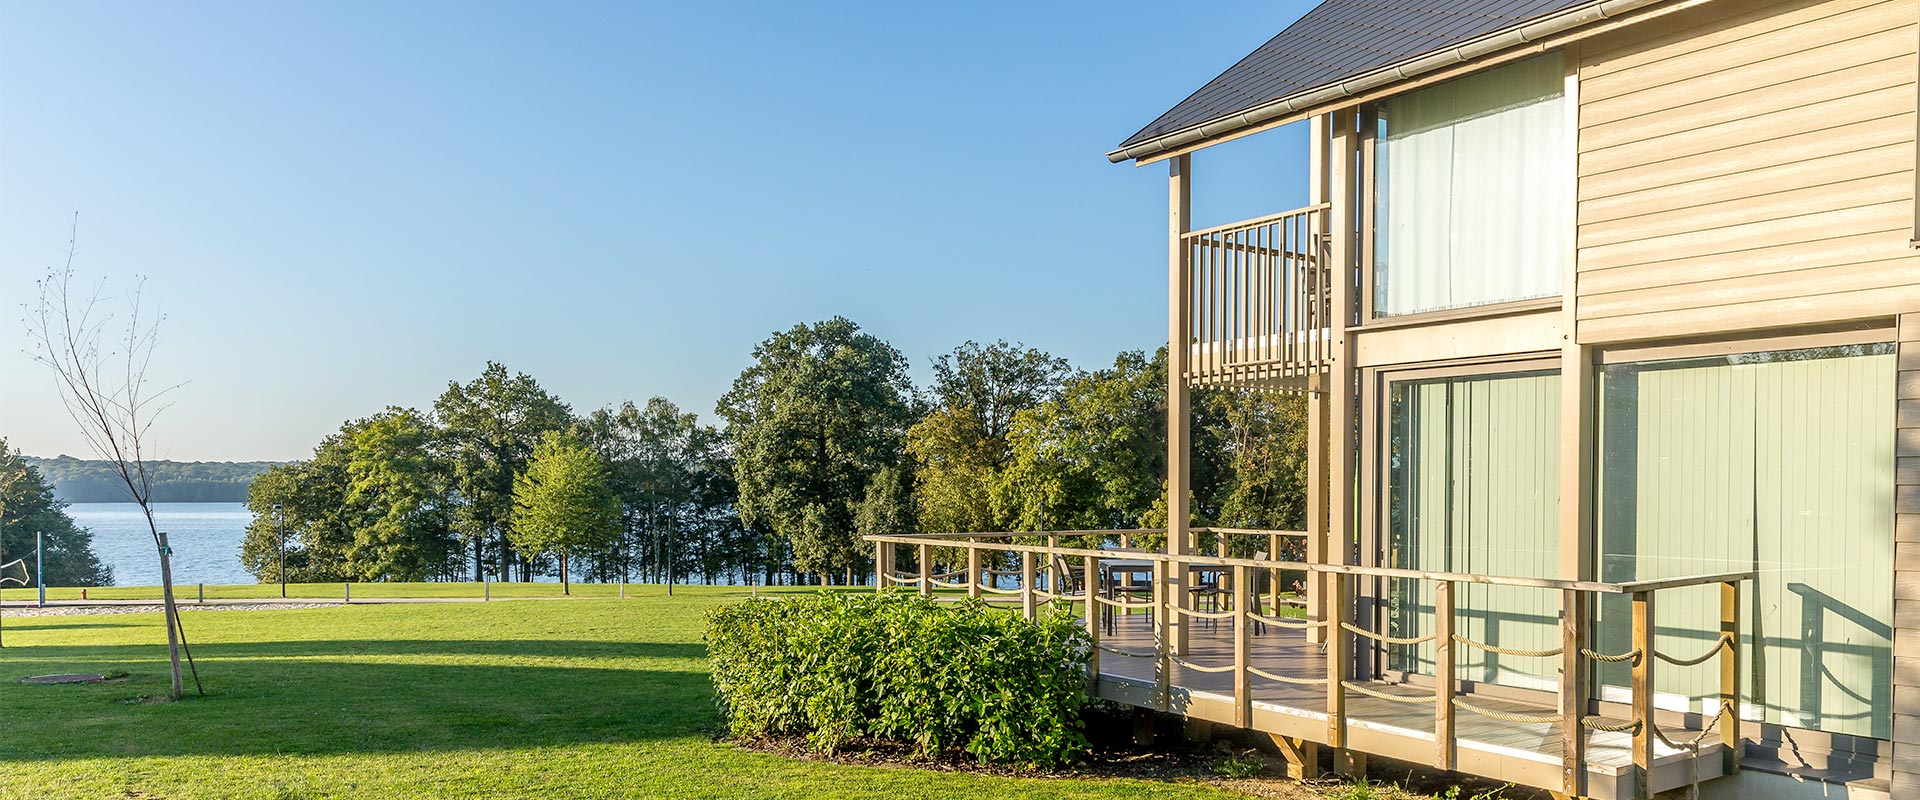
(825, 439)
(79, 480)
(30, 514)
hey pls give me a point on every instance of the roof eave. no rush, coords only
(1327, 94)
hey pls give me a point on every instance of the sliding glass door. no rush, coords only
(1472, 465)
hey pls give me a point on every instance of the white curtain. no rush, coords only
(1474, 190)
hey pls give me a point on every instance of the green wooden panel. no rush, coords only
(1776, 462)
(1473, 487)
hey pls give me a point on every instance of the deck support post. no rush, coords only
(973, 571)
(1302, 756)
(1090, 591)
(1055, 571)
(1443, 683)
(1643, 695)
(1242, 643)
(926, 571)
(1573, 691)
(1337, 660)
(881, 569)
(1351, 763)
(1730, 677)
(1027, 600)
(1179, 396)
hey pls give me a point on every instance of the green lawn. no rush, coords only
(187, 592)
(584, 699)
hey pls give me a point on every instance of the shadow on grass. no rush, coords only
(359, 696)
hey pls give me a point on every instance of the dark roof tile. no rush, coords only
(1338, 40)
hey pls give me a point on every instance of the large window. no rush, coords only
(1473, 190)
(1778, 462)
(1473, 486)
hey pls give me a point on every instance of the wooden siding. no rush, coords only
(1744, 168)
(1906, 564)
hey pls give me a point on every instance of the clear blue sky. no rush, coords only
(342, 206)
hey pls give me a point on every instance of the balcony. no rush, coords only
(1258, 301)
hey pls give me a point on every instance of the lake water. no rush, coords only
(205, 537)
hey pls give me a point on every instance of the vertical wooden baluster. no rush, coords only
(1027, 606)
(1336, 659)
(1643, 695)
(1055, 571)
(1090, 590)
(1443, 736)
(1242, 685)
(1573, 692)
(880, 565)
(1730, 676)
(973, 571)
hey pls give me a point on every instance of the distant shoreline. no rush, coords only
(77, 480)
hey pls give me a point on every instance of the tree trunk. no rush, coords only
(479, 559)
(179, 687)
(565, 588)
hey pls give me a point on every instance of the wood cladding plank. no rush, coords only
(1685, 105)
(1862, 304)
(1889, 187)
(1750, 288)
(1750, 236)
(1807, 254)
(1704, 28)
(1759, 128)
(1750, 184)
(1771, 50)
(1889, 129)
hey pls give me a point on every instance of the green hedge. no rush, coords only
(940, 677)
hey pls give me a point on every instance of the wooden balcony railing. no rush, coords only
(1258, 299)
(1038, 569)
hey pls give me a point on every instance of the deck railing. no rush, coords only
(1258, 298)
(1045, 574)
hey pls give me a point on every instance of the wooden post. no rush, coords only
(1340, 384)
(1730, 676)
(881, 569)
(1319, 530)
(1643, 695)
(1573, 692)
(1163, 629)
(1179, 397)
(973, 571)
(1054, 570)
(1027, 606)
(1336, 659)
(926, 573)
(1302, 756)
(1092, 594)
(1443, 683)
(1242, 642)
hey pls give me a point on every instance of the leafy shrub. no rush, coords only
(894, 666)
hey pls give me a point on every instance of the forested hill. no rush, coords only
(82, 481)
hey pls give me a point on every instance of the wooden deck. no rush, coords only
(1527, 754)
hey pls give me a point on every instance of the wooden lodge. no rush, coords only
(1608, 319)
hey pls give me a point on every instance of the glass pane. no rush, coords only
(1473, 487)
(1778, 462)
(1473, 190)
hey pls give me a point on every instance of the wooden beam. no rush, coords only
(1027, 600)
(1337, 660)
(973, 571)
(926, 571)
(1091, 591)
(1302, 756)
(1242, 643)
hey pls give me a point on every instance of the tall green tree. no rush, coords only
(397, 489)
(28, 507)
(489, 427)
(823, 408)
(562, 502)
(303, 508)
(960, 448)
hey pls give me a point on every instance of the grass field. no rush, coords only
(186, 592)
(583, 699)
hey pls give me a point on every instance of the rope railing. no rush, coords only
(1601, 724)
(1509, 651)
(1124, 604)
(1718, 645)
(1412, 699)
(1198, 614)
(1128, 653)
(1198, 667)
(1630, 655)
(1252, 670)
(1291, 623)
(1508, 716)
(1383, 638)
